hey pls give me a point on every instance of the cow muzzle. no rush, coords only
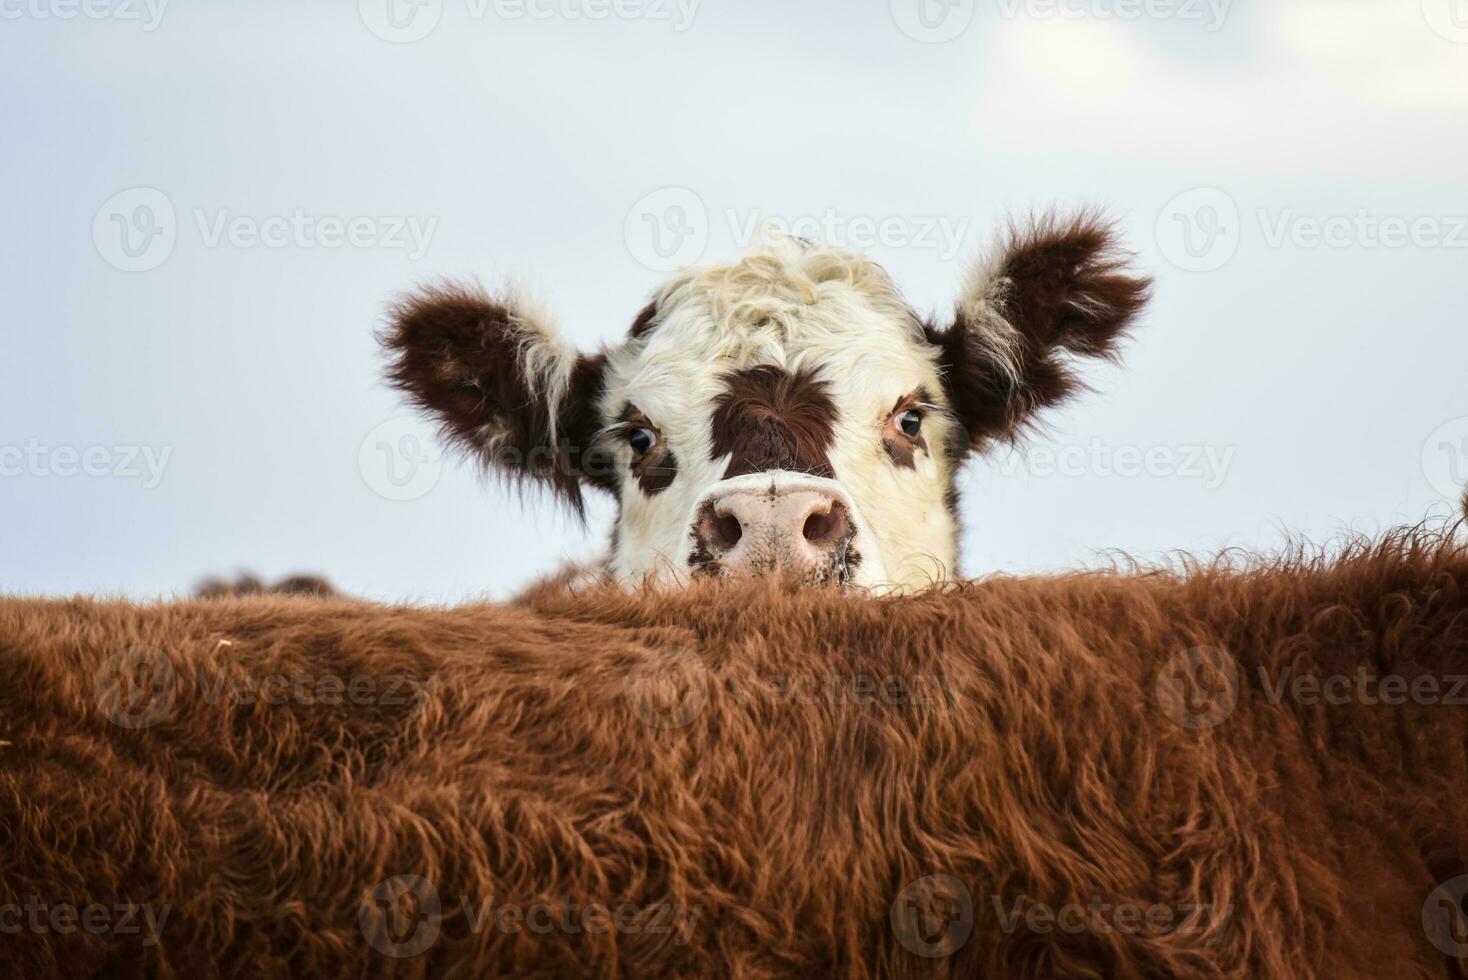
(777, 523)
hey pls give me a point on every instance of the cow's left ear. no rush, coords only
(1052, 290)
(502, 383)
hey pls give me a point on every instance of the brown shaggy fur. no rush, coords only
(663, 751)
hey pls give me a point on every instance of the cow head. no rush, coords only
(788, 412)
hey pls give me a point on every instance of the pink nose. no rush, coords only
(806, 532)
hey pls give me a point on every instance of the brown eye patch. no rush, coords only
(770, 419)
(655, 469)
(901, 446)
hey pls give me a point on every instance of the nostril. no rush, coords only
(717, 532)
(718, 529)
(826, 527)
(727, 531)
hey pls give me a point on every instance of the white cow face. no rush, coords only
(787, 413)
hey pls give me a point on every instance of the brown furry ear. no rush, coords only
(502, 383)
(1056, 287)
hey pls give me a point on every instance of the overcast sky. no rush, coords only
(208, 205)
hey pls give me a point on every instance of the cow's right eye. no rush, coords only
(642, 440)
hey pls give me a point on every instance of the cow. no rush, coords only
(788, 412)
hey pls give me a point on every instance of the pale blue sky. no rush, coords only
(224, 396)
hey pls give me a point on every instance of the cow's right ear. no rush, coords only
(502, 383)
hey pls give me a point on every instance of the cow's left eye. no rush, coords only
(911, 423)
(642, 440)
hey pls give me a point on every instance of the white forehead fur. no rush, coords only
(801, 307)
